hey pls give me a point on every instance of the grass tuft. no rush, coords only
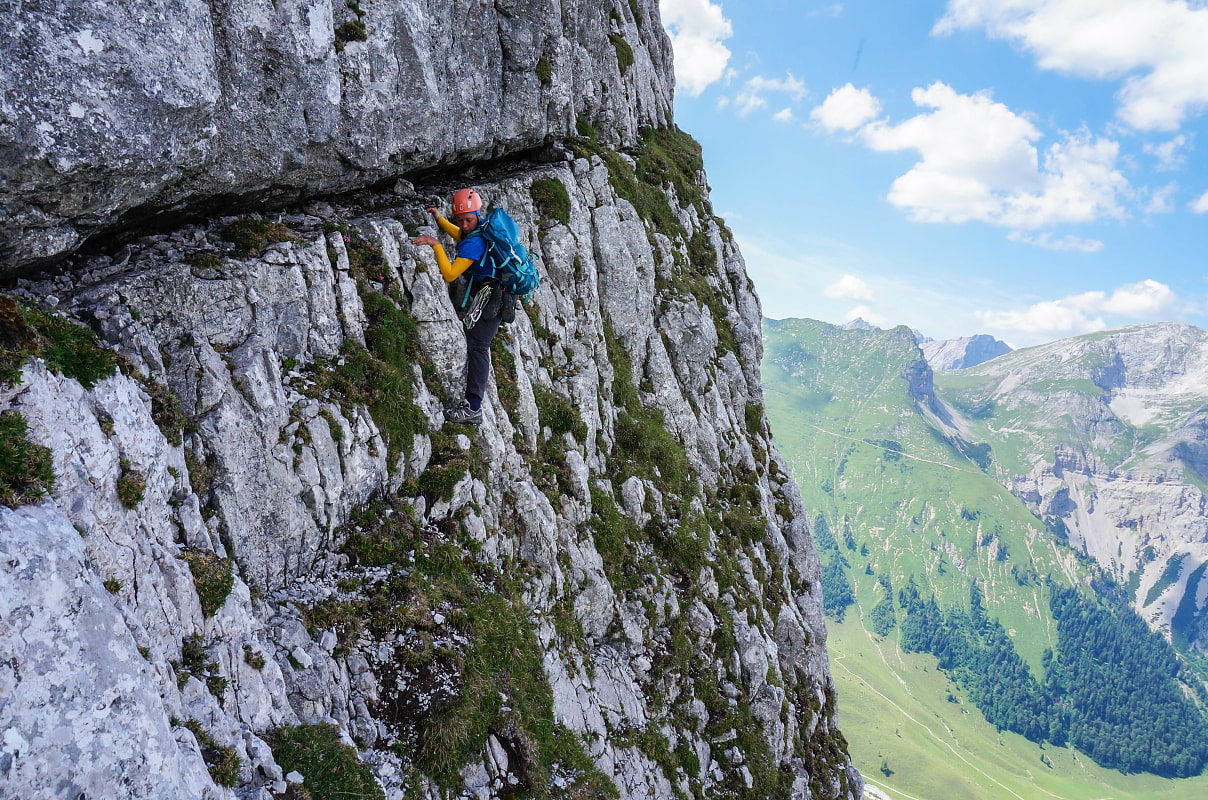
(253, 235)
(26, 469)
(68, 349)
(213, 577)
(331, 767)
(557, 413)
(205, 260)
(253, 658)
(624, 51)
(552, 199)
(351, 31)
(131, 485)
(223, 762)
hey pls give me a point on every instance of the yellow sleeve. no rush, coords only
(449, 228)
(450, 271)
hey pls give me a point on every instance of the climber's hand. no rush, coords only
(434, 211)
(428, 240)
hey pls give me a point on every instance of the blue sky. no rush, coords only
(1032, 169)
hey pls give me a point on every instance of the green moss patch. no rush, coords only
(504, 368)
(624, 392)
(26, 469)
(615, 536)
(213, 578)
(378, 534)
(166, 409)
(345, 618)
(624, 51)
(205, 260)
(131, 485)
(494, 664)
(253, 235)
(648, 200)
(552, 199)
(447, 467)
(223, 762)
(331, 768)
(690, 279)
(69, 349)
(647, 449)
(668, 155)
(383, 386)
(557, 413)
(351, 31)
(365, 259)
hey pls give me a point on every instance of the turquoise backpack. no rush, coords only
(509, 261)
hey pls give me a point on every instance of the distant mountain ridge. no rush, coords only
(946, 354)
(962, 353)
(955, 512)
(1116, 456)
(1104, 436)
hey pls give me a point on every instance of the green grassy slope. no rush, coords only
(894, 710)
(901, 501)
(861, 453)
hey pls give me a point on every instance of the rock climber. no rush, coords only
(480, 300)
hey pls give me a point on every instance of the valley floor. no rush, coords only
(913, 736)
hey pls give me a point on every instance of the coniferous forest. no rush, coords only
(1112, 689)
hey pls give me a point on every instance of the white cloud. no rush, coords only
(1051, 318)
(846, 109)
(834, 10)
(1083, 313)
(751, 96)
(1200, 204)
(1145, 299)
(697, 29)
(1049, 242)
(1168, 154)
(979, 162)
(1156, 47)
(849, 287)
(1161, 200)
(783, 115)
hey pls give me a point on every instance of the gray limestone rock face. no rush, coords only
(81, 711)
(113, 113)
(621, 506)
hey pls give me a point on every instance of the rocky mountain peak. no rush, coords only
(859, 324)
(1115, 457)
(967, 351)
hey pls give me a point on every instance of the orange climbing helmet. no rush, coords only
(466, 201)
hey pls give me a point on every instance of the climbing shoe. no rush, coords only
(462, 414)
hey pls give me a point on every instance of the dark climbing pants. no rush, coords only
(478, 352)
